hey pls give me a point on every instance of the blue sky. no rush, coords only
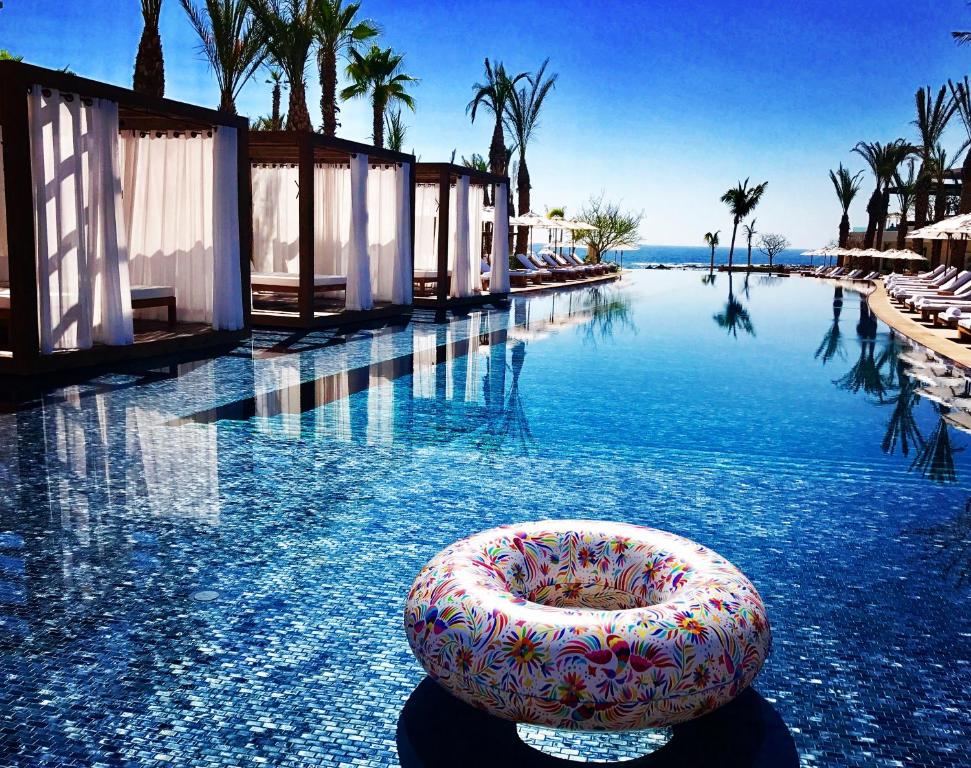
(660, 105)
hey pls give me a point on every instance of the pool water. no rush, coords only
(206, 564)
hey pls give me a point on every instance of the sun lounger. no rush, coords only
(573, 259)
(587, 270)
(906, 293)
(425, 277)
(938, 277)
(958, 291)
(855, 274)
(288, 282)
(568, 273)
(145, 296)
(538, 275)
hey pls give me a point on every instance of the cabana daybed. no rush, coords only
(332, 230)
(124, 223)
(448, 258)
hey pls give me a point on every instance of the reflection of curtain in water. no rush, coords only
(278, 396)
(380, 400)
(331, 399)
(423, 362)
(450, 335)
(494, 385)
(472, 358)
(178, 467)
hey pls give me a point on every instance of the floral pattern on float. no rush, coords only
(587, 625)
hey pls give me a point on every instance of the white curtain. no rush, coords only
(462, 284)
(401, 288)
(426, 227)
(332, 219)
(4, 257)
(383, 215)
(181, 198)
(276, 222)
(499, 281)
(227, 299)
(82, 259)
(476, 205)
(358, 293)
(169, 191)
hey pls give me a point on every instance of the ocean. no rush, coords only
(650, 255)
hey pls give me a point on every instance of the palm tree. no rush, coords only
(846, 187)
(711, 239)
(493, 94)
(906, 189)
(287, 28)
(149, 63)
(749, 231)
(734, 315)
(933, 115)
(376, 74)
(883, 160)
(523, 108)
(741, 201)
(961, 93)
(338, 30)
(397, 130)
(276, 80)
(230, 42)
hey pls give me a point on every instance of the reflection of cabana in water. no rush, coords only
(332, 229)
(112, 205)
(451, 263)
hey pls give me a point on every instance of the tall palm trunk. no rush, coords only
(749, 254)
(960, 247)
(731, 250)
(921, 205)
(711, 267)
(298, 118)
(882, 220)
(902, 232)
(275, 113)
(498, 158)
(149, 75)
(873, 215)
(940, 206)
(327, 59)
(378, 105)
(844, 229)
(522, 187)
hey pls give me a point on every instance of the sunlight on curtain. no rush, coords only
(276, 222)
(461, 284)
(227, 300)
(389, 234)
(332, 219)
(81, 256)
(476, 205)
(499, 281)
(358, 293)
(423, 361)
(426, 227)
(402, 286)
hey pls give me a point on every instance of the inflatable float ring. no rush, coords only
(585, 624)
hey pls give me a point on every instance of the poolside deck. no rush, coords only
(944, 341)
(608, 278)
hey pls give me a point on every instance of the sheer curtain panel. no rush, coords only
(358, 294)
(499, 281)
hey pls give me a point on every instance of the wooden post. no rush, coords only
(305, 175)
(24, 324)
(245, 203)
(442, 284)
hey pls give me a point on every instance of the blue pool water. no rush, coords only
(206, 564)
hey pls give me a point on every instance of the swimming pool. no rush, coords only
(206, 564)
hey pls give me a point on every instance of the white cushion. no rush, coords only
(289, 280)
(430, 273)
(4, 298)
(139, 292)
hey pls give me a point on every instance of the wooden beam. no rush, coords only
(305, 180)
(21, 238)
(444, 233)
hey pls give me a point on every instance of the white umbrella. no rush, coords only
(955, 226)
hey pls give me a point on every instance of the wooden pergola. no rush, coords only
(306, 149)
(444, 175)
(136, 112)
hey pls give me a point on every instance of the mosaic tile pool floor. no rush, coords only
(206, 565)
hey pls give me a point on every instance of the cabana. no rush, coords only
(453, 267)
(332, 230)
(124, 224)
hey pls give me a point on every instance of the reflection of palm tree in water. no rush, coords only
(609, 309)
(734, 316)
(902, 428)
(507, 425)
(865, 374)
(832, 344)
(935, 459)
(952, 546)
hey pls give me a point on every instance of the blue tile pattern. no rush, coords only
(308, 513)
